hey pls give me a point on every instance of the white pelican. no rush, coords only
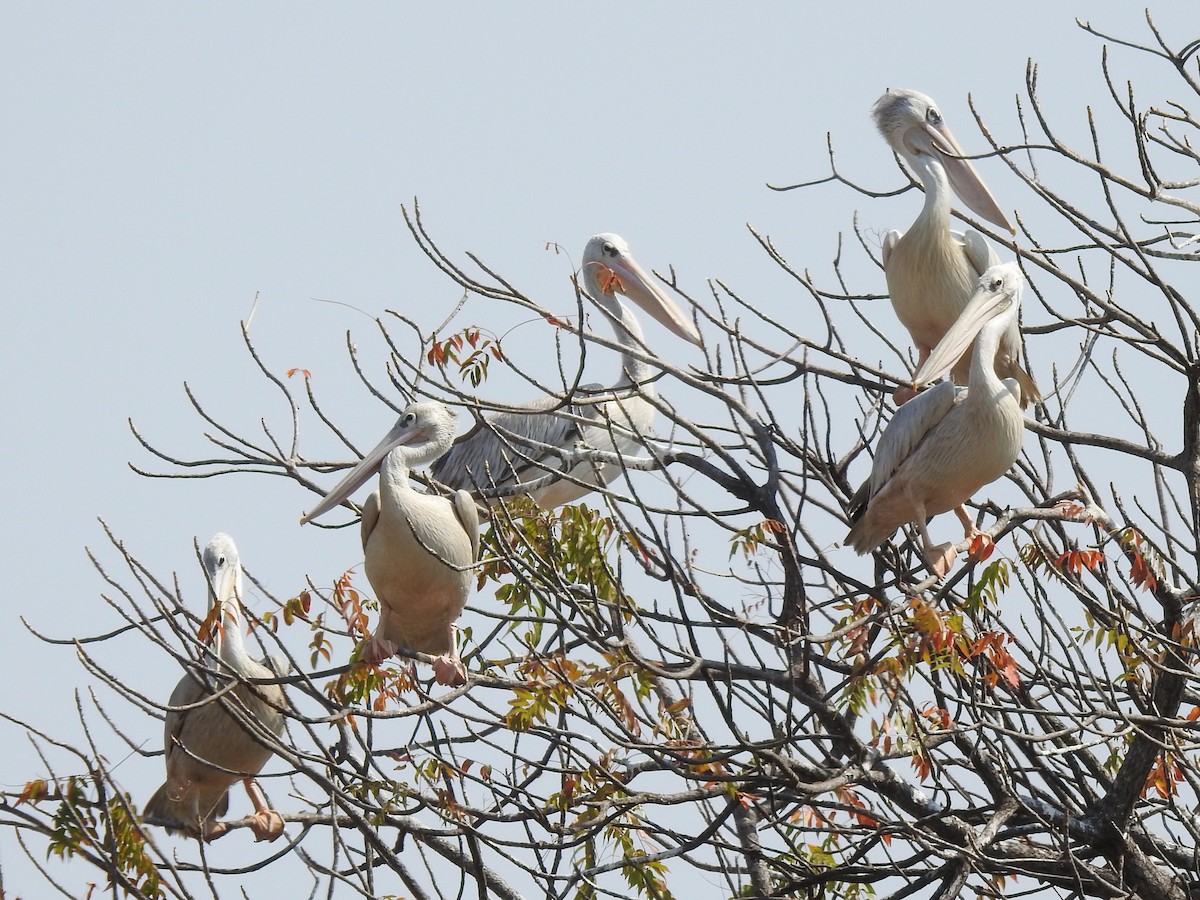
(494, 453)
(207, 750)
(947, 442)
(931, 271)
(419, 547)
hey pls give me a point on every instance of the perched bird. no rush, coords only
(214, 738)
(948, 442)
(510, 447)
(931, 271)
(420, 548)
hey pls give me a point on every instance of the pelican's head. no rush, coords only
(426, 430)
(224, 571)
(609, 267)
(913, 125)
(993, 306)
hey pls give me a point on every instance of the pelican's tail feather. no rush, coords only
(180, 810)
(866, 535)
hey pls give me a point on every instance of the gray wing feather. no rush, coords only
(187, 693)
(468, 517)
(907, 429)
(370, 515)
(492, 453)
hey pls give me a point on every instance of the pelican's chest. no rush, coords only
(419, 543)
(930, 281)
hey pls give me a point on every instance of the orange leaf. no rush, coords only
(210, 627)
(609, 282)
(1007, 666)
(980, 547)
(1140, 573)
(1076, 560)
(34, 791)
(307, 374)
(1072, 509)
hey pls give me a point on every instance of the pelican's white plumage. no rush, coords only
(420, 548)
(932, 271)
(948, 442)
(505, 450)
(207, 749)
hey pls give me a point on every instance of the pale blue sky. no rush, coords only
(164, 163)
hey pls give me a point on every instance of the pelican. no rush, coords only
(494, 452)
(207, 748)
(948, 442)
(931, 271)
(420, 548)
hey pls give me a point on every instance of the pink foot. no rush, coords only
(266, 824)
(213, 830)
(940, 559)
(450, 671)
(377, 649)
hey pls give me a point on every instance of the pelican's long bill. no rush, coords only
(638, 285)
(225, 589)
(992, 297)
(963, 178)
(403, 432)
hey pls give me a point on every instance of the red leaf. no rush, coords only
(1140, 573)
(1076, 560)
(1072, 509)
(980, 547)
(609, 282)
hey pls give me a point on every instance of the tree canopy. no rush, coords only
(686, 679)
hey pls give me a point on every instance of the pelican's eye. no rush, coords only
(409, 418)
(221, 561)
(997, 283)
(610, 249)
(934, 117)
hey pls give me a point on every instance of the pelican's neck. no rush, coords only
(983, 381)
(420, 452)
(395, 469)
(935, 214)
(626, 330)
(231, 648)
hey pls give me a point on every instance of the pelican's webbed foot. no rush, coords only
(266, 824)
(449, 670)
(377, 649)
(940, 558)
